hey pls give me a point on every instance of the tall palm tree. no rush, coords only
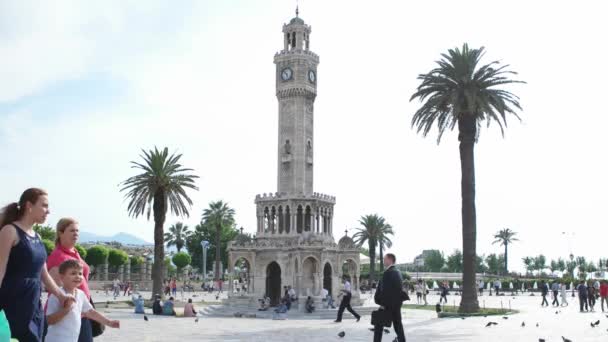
(219, 215)
(370, 233)
(505, 237)
(160, 186)
(177, 236)
(460, 92)
(384, 242)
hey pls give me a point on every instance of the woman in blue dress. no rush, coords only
(23, 266)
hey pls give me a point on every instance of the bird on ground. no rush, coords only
(196, 320)
(593, 325)
(523, 324)
(491, 324)
(537, 325)
(505, 317)
(145, 318)
(565, 339)
(541, 340)
(597, 322)
(341, 334)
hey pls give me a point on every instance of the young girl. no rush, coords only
(64, 320)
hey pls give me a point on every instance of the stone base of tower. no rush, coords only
(308, 263)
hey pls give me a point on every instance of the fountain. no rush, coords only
(535, 286)
(511, 285)
(455, 286)
(435, 286)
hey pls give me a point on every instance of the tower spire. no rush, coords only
(297, 11)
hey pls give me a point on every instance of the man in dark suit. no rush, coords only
(390, 297)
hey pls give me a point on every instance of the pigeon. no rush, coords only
(505, 317)
(145, 318)
(556, 312)
(541, 340)
(537, 325)
(462, 317)
(217, 297)
(196, 320)
(523, 324)
(341, 334)
(597, 322)
(565, 339)
(491, 323)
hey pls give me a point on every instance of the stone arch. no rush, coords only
(327, 277)
(241, 269)
(350, 271)
(273, 282)
(310, 271)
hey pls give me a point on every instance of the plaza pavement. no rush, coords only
(419, 325)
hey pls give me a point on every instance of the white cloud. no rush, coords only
(201, 81)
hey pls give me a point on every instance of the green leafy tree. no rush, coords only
(370, 233)
(181, 260)
(137, 261)
(561, 265)
(540, 263)
(384, 241)
(591, 267)
(81, 251)
(45, 232)
(529, 263)
(117, 258)
(461, 93)
(570, 267)
(481, 265)
(553, 266)
(177, 236)
(454, 261)
(218, 215)
(159, 187)
(97, 255)
(505, 237)
(206, 232)
(434, 260)
(49, 246)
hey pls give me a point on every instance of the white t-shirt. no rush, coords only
(68, 329)
(324, 293)
(347, 286)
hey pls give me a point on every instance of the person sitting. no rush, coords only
(168, 307)
(157, 306)
(282, 308)
(310, 305)
(189, 309)
(139, 304)
(264, 304)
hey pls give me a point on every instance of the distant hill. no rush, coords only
(123, 238)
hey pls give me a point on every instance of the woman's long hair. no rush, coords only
(15, 211)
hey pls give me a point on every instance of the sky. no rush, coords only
(84, 86)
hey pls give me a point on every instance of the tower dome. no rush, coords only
(346, 242)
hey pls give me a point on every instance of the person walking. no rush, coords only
(345, 304)
(496, 286)
(23, 266)
(419, 290)
(480, 285)
(591, 296)
(544, 288)
(582, 296)
(389, 295)
(555, 290)
(66, 237)
(444, 293)
(562, 289)
(604, 294)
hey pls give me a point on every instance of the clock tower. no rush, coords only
(296, 89)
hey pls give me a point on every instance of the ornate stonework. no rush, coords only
(294, 243)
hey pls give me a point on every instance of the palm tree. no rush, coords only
(219, 215)
(384, 242)
(459, 92)
(505, 237)
(370, 233)
(177, 236)
(160, 186)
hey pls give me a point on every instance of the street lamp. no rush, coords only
(205, 246)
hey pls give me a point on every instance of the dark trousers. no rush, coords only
(555, 301)
(86, 331)
(397, 325)
(443, 298)
(544, 300)
(582, 301)
(345, 304)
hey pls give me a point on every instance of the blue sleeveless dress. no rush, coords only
(21, 288)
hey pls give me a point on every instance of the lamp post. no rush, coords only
(205, 246)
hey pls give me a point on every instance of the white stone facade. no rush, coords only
(294, 244)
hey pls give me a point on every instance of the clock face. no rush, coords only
(286, 74)
(311, 76)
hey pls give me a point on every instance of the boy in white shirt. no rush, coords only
(64, 322)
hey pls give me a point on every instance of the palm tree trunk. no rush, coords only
(158, 268)
(467, 127)
(372, 259)
(506, 259)
(381, 257)
(217, 251)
